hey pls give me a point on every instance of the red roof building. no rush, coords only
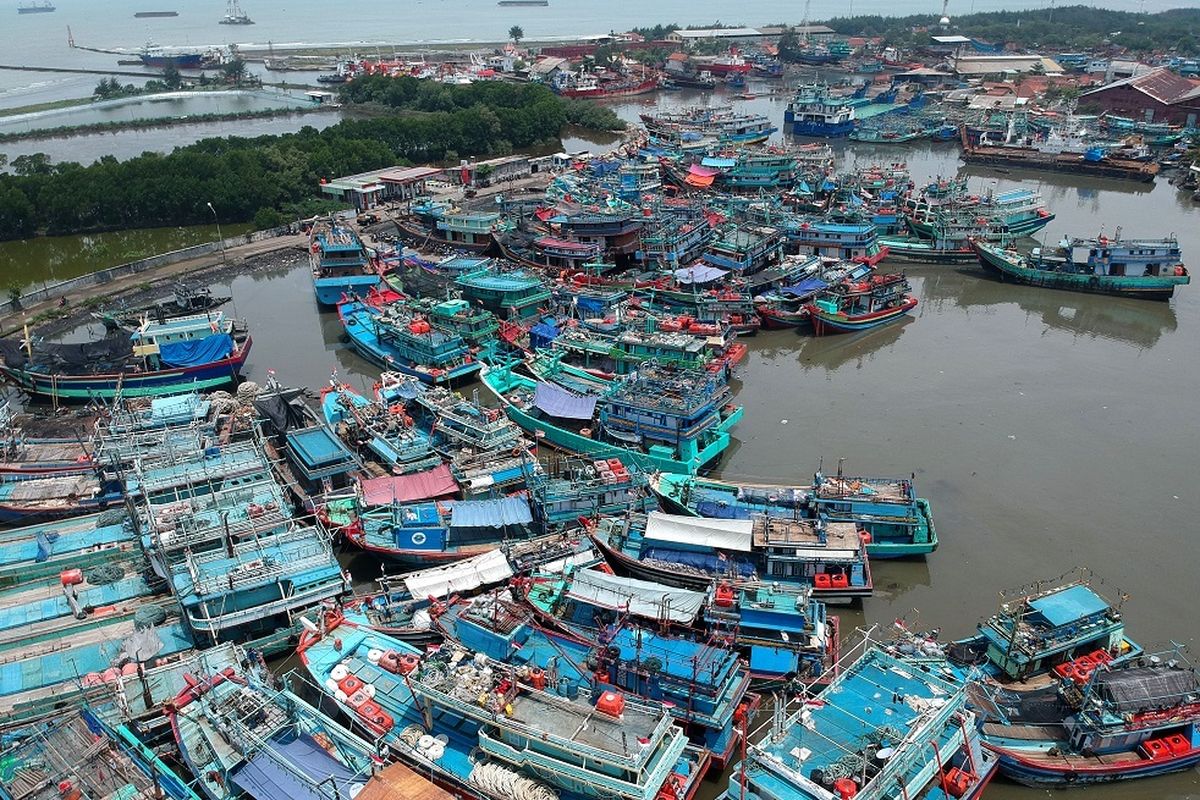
(1156, 96)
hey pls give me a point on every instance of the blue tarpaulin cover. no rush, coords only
(197, 351)
(704, 561)
(542, 334)
(805, 288)
(558, 402)
(700, 273)
(263, 777)
(490, 513)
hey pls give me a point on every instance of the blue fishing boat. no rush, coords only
(888, 727)
(80, 754)
(482, 728)
(512, 295)
(814, 112)
(892, 519)
(658, 418)
(703, 685)
(439, 532)
(1100, 722)
(692, 552)
(243, 738)
(47, 549)
(22, 455)
(784, 634)
(180, 355)
(341, 264)
(374, 430)
(1036, 632)
(1150, 269)
(433, 222)
(401, 342)
(25, 500)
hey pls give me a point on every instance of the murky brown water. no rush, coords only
(1050, 430)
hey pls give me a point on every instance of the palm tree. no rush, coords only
(516, 34)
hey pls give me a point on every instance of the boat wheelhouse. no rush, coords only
(341, 264)
(693, 552)
(813, 112)
(512, 295)
(395, 339)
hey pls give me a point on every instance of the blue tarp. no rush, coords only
(700, 273)
(705, 561)
(558, 402)
(719, 163)
(805, 288)
(263, 777)
(542, 334)
(490, 513)
(592, 305)
(197, 351)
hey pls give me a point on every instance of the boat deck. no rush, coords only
(777, 531)
(576, 722)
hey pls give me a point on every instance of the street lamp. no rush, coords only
(219, 236)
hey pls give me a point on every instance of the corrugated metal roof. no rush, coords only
(1161, 84)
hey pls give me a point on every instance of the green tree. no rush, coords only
(516, 34)
(235, 70)
(32, 164)
(171, 77)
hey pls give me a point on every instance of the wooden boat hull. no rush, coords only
(825, 324)
(1010, 267)
(154, 383)
(1040, 770)
(639, 569)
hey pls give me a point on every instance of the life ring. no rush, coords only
(352, 321)
(516, 452)
(418, 538)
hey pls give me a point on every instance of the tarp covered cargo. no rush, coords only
(699, 273)
(558, 402)
(715, 534)
(1146, 689)
(490, 513)
(436, 482)
(463, 576)
(642, 598)
(195, 352)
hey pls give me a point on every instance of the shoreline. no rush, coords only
(150, 123)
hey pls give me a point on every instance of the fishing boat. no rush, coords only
(1035, 632)
(1012, 214)
(428, 533)
(47, 549)
(28, 499)
(397, 340)
(187, 300)
(938, 250)
(511, 295)
(44, 7)
(692, 552)
(235, 16)
(186, 354)
(341, 265)
(784, 633)
(658, 418)
(1010, 150)
(850, 307)
(1099, 722)
(702, 684)
(1145, 268)
(431, 222)
(892, 520)
(388, 436)
(242, 737)
(519, 741)
(24, 455)
(888, 727)
(78, 751)
(814, 112)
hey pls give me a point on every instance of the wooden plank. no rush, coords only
(398, 782)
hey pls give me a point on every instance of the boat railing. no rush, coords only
(633, 758)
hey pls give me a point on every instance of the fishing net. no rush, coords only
(104, 574)
(149, 616)
(113, 516)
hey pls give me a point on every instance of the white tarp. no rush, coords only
(716, 534)
(461, 576)
(641, 598)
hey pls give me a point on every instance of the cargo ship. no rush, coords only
(1036, 155)
(154, 14)
(36, 8)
